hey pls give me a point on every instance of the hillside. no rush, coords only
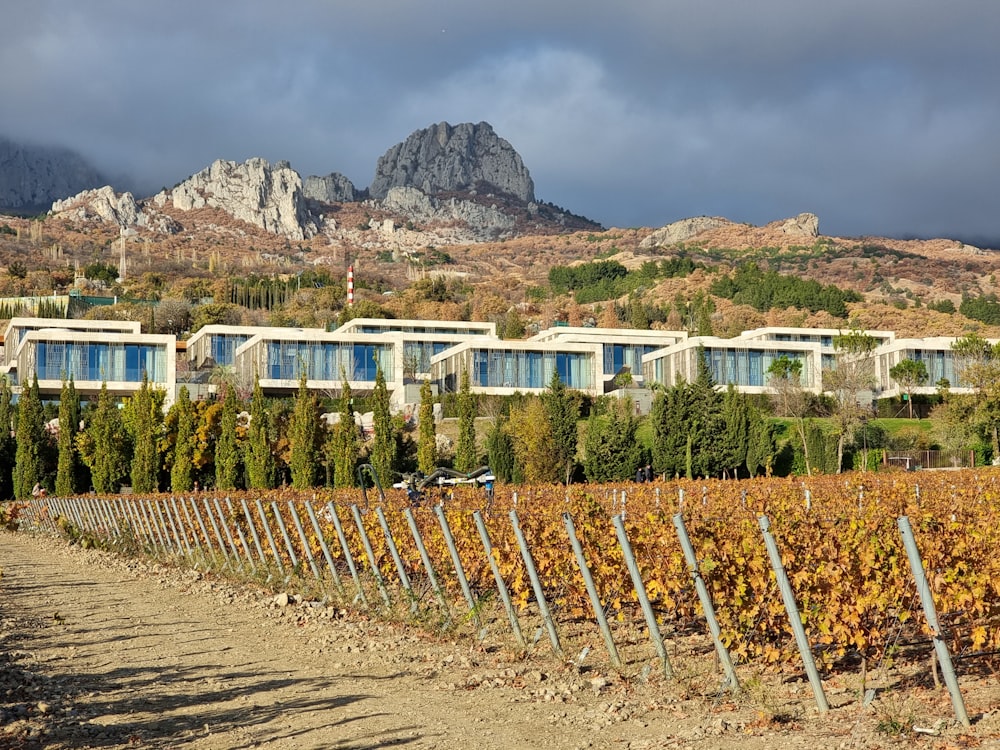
(392, 253)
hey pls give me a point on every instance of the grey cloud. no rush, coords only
(878, 117)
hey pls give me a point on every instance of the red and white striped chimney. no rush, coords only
(350, 285)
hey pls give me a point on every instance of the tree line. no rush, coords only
(764, 290)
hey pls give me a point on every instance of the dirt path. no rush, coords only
(98, 651)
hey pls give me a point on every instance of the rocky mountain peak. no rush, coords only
(32, 177)
(103, 203)
(270, 197)
(454, 158)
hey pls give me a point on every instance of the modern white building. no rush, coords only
(215, 345)
(622, 349)
(504, 367)
(744, 363)
(588, 359)
(91, 353)
(825, 337)
(18, 328)
(420, 327)
(936, 354)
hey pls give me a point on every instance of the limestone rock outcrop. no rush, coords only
(103, 204)
(803, 225)
(333, 188)
(34, 177)
(683, 230)
(461, 158)
(254, 191)
(485, 221)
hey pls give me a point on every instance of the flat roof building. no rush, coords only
(505, 367)
(744, 363)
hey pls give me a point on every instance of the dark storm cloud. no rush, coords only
(879, 117)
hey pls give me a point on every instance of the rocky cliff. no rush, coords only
(483, 221)
(718, 231)
(31, 178)
(103, 204)
(333, 188)
(683, 230)
(446, 159)
(254, 191)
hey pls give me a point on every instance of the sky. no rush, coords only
(881, 117)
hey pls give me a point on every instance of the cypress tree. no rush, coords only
(8, 444)
(142, 424)
(427, 444)
(500, 451)
(259, 459)
(227, 455)
(182, 471)
(612, 451)
(535, 450)
(760, 448)
(735, 438)
(466, 457)
(383, 456)
(29, 437)
(69, 424)
(563, 413)
(109, 459)
(302, 436)
(345, 442)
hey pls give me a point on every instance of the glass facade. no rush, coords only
(325, 360)
(222, 345)
(823, 339)
(617, 356)
(514, 368)
(419, 353)
(371, 328)
(112, 362)
(748, 367)
(939, 364)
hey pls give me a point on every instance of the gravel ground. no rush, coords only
(101, 651)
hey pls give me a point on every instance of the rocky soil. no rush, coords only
(99, 651)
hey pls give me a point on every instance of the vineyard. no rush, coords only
(838, 537)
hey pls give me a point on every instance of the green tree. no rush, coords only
(8, 443)
(611, 450)
(227, 453)
(383, 455)
(182, 470)
(761, 445)
(302, 436)
(790, 398)
(536, 453)
(638, 317)
(30, 435)
(562, 413)
(69, 425)
(909, 374)
(259, 459)
(345, 441)
(500, 451)
(466, 456)
(687, 421)
(109, 454)
(977, 366)
(735, 438)
(427, 444)
(143, 426)
(852, 375)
